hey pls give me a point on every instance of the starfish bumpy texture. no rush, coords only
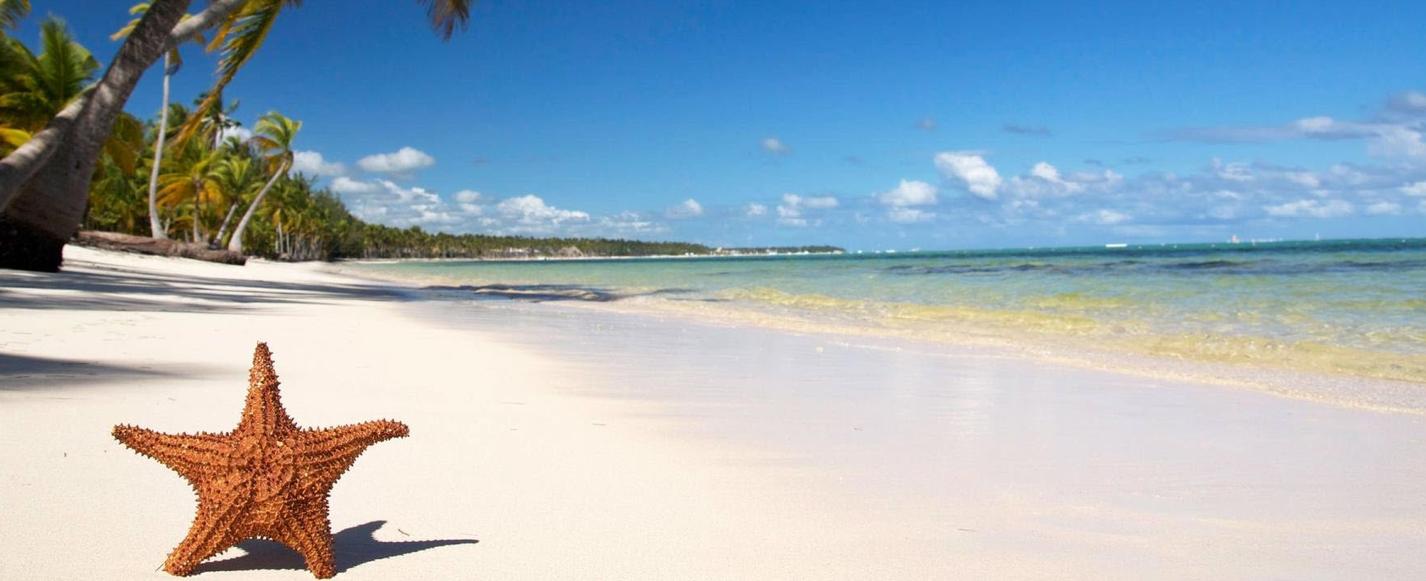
(266, 479)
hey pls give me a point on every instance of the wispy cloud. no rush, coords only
(689, 208)
(1395, 130)
(794, 209)
(1027, 130)
(774, 146)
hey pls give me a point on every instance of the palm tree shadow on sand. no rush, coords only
(351, 547)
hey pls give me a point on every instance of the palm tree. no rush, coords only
(116, 202)
(237, 176)
(33, 88)
(192, 176)
(273, 136)
(172, 61)
(44, 184)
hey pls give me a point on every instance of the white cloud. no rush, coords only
(1310, 208)
(755, 209)
(1410, 102)
(627, 223)
(905, 215)
(689, 208)
(774, 146)
(971, 171)
(1384, 209)
(909, 193)
(813, 202)
(467, 196)
(238, 131)
(346, 185)
(1045, 180)
(400, 162)
(790, 211)
(1414, 189)
(1393, 132)
(415, 194)
(531, 212)
(389, 203)
(1109, 217)
(313, 164)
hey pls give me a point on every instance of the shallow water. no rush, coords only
(960, 461)
(1353, 307)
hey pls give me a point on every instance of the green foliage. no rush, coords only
(34, 88)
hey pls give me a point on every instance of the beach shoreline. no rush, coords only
(551, 441)
(1346, 390)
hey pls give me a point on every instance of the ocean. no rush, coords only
(1344, 307)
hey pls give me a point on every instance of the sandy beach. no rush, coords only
(555, 441)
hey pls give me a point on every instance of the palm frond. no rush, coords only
(447, 15)
(12, 12)
(239, 37)
(66, 67)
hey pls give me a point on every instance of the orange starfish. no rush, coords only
(266, 479)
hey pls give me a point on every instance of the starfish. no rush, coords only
(265, 479)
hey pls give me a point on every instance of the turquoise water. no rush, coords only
(1351, 306)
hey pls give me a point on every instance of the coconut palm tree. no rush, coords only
(192, 175)
(44, 184)
(273, 136)
(172, 61)
(237, 176)
(34, 88)
(117, 202)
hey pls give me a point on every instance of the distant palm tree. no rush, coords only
(273, 135)
(192, 176)
(172, 61)
(44, 184)
(237, 177)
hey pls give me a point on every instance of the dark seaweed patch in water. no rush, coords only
(911, 270)
(1208, 265)
(538, 293)
(1382, 265)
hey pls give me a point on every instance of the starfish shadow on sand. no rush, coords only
(351, 547)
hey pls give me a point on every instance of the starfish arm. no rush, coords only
(193, 456)
(324, 455)
(213, 532)
(309, 532)
(263, 412)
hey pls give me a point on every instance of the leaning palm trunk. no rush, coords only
(236, 244)
(197, 213)
(223, 229)
(44, 185)
(154, 226)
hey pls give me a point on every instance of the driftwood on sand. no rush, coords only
(145, 245)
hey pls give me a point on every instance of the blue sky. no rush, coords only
(867, 125)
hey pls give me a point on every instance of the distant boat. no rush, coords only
(1116, 245)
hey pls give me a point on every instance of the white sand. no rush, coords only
(559, 453)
